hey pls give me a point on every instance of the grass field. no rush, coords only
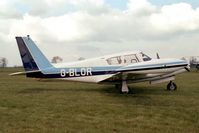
(28, 105)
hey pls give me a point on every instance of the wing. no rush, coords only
(129, 77)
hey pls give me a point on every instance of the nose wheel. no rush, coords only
(171, 86)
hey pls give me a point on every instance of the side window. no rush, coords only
(145, 57)
(128, 59)
(114, 60)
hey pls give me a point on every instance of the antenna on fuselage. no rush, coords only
(158, 57)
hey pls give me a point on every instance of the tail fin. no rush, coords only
(32, 58)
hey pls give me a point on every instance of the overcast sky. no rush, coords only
(89, 28)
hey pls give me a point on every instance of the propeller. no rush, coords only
(158, 57)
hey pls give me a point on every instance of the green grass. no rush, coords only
(29, 105)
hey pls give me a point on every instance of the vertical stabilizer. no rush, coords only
(32, 58)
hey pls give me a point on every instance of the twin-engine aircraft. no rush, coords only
(118, 69)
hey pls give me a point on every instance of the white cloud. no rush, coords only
(141, 7)
(93, 2)
(66, 27)
(176, 17)
(49, 8)
(8, 11)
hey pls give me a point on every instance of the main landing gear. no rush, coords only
(171, 86)
(123, 87)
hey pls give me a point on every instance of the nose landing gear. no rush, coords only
(171, 86)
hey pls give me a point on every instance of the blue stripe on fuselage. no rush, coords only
(94, 73)
(152, 65)
(56, 72)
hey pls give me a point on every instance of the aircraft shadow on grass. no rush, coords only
(134, 91)
(138, 96)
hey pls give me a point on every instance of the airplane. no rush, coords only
(118, 69)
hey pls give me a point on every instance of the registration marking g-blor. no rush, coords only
(73, 72)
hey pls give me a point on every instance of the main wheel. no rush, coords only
(197, 66)
(171, 86)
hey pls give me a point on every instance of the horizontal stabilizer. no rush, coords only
(23, 73)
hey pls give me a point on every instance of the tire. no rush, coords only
(171, 86)
(197, 66)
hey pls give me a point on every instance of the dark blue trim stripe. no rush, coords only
(152, 68)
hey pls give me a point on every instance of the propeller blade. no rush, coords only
(188, 70)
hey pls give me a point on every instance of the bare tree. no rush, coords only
(56, 59)
(3, 62)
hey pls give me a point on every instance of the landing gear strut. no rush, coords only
(123, 87)
(171, 86)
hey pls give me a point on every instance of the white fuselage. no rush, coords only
(131, 64)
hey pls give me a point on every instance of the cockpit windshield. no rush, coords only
(145, 57)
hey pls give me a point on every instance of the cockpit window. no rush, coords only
(129, 59)
(124, 59)
(114, 60)
(145, 57)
